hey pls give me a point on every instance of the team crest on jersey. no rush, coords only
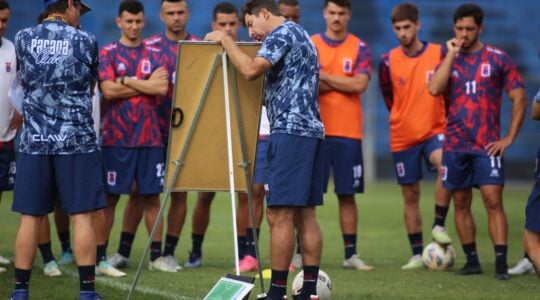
(121, 67)
(485, 70)
(429, 74)
(8, 67)
(146, 67)
(400, 168)
(347, 65)
(111, 177)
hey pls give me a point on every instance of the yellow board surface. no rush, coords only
(197, 151)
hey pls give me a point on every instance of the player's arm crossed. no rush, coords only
(126, 87)
(344, 84)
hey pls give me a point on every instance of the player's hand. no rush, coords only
(454, 45)
(215, 35)
(159, 73)
(497, 148)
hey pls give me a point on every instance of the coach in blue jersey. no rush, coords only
(289, 61)
(59, 157)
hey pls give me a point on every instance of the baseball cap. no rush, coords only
(84, 7)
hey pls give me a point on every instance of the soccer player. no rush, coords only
(345, 62)
(131, 75)
(225, 18)
(417, 123)
(59, 153)
(7, 111)
(296, 136)
(290, 9)
(473, 76)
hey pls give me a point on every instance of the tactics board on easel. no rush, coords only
(198, 139)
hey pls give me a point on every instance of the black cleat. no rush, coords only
(470, 269)
(501, 272)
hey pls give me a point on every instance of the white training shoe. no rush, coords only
(415, 262)
(161, 265)
(354, 262)
(297, 260)
(118, 261)
(523, 266)
(51, 269)
(440, 235)
(4, 261)
(2, 269)
(105, 268)
(171, 261)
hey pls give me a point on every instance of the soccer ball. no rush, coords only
(324, 285)
(437, 258)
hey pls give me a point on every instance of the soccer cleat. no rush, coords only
(171, 261)
(105, 268)
(249, 264)
(501, 272)
(2, 269)
(297, 260)
(354, 262)
(194, 261)
(20, 295)
(89, 296)
(470, 269)
(440, 235)
(118, 261)
(161, 265)
(523, 266)
(414, 262)
(66, 257)
(4, 261)
(51, 269)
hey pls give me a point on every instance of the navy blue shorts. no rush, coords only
(7, 170)
(259, 175)
(123, 166)
(408, 163)
(465, 170)
(294, 169)
(343, 158)
(532, 210)
(75, 180)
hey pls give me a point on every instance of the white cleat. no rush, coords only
(4, 261)
(415, 262)
(440, 235)
(161, 265)
(51, 269)
(171, 261)
(523, 266)
(354, 262)
(297, 260)
(106, 269)
(118, 261)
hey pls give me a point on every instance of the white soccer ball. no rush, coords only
(324, 285)
(437, 257)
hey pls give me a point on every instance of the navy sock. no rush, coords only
(65, 243)
(349, 241)
(126, 240)
(22, 279)
(440, 215)
(170, 245)
(417, 243)
(278, 285)
(311, 275)
(87, 278)
(196, 241)
(241, 240)
(500, 254)
(100, 254)
(526, 255)
(250, 242)
(155, 250)
(470, 252)
(46, 252)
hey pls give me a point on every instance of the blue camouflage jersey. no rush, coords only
(292, 84)
(58, 67)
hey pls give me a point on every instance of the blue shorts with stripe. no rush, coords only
(294, 169)
(343, 159)
(123, 166)
(408, 163)
(74, 180)
(464, 170)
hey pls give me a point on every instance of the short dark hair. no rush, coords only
(224, 8)
(403, 12)
(253, 7)
(340, 3)
(469, 10)
(173, 1)
(289, 2)
(131, 6)
(4, 5)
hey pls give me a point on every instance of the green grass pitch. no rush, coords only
(382, 242)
